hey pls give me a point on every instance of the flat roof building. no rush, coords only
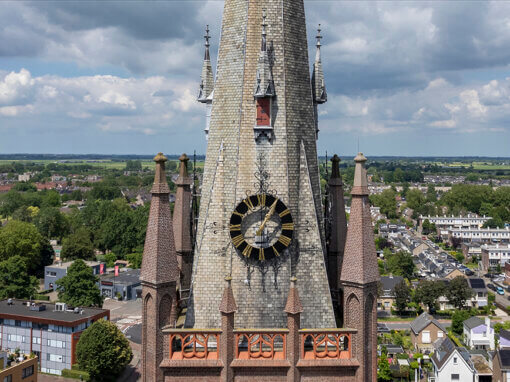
(50, 331)
(127, 284)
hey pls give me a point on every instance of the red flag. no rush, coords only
(116, 270)
(101, 269)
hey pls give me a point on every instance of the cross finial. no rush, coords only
(207, 36)
(319, 36)
(264, 24)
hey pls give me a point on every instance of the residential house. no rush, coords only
(501, 366)
(504, 339)
(425, 330)
(453, 364)
(494, 255)
(478, 334)
(454, 272)
(479, 298)
(387, 298)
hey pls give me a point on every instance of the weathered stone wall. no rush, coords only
(291, 160)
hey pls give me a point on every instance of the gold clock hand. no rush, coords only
(266, 219)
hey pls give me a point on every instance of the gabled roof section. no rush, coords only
(424, 320)
(504, 358)
(445, 349)
(473, 322)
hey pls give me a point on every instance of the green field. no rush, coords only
(105, 164)
(476, 165)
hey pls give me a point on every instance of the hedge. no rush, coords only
(41, 297)
(76, 374)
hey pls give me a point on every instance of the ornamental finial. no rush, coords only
(319, 36)
(207, 36)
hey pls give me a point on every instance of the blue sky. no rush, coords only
(403, 78)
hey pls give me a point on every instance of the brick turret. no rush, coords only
(338, 227)
(159, 276)
(359, 276)
(182, 223)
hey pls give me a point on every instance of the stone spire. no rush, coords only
(359, 276)
(207, 78)
(206, 93)
(264, 86)
(159, 276)
(318, 86)
(182, 222)
(159, 264)
(338, 224)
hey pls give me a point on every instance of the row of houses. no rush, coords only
(486, 356)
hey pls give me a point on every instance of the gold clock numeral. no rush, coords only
(284, 240)
(248, 202)
(284, 213)
(247, 251)
(237, 240)
(261, 199)
(238, 214)
(288, 226)
(235, 227)
(276, 253)
(261, 254)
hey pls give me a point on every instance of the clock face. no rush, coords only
(261, 227)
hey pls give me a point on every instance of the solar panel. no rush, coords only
(505, 357)
(477, 283)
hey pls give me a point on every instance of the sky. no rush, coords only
(121, 77)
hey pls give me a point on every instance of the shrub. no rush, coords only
(76, 374)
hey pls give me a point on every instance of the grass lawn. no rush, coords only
(395, 318)
(472, 265)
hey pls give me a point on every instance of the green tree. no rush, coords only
(402, 296)
(25, 187)
(401, 264)
(415, 199)
(23, 239)
(428, 291)
(383, 367)
(133, 165)
(51, 198)
(51, 223)
(110, 259)
(78, 246)
(135, 260)
(458, 319)
(15, 282)
(458, 292)
(103, 351)
(431, 194)
(79, 286)
(459, 257)
(105, 191)
(386, 201)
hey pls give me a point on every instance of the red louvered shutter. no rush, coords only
(263, 112)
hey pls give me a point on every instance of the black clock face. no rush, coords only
(261, 227)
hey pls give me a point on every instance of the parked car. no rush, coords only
(500, 290)
(491, 287)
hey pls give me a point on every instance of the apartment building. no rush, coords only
(50, 331)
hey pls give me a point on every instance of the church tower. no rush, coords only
(260, 219)
(206, 92)
(159, 276)
(360, 274)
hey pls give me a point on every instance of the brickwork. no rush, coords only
(159, 276)
(182, 223)
(338, 224)
(359, 276)
(261, 294)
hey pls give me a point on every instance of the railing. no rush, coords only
(325, 344)
(262, 344)
(193, 344)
